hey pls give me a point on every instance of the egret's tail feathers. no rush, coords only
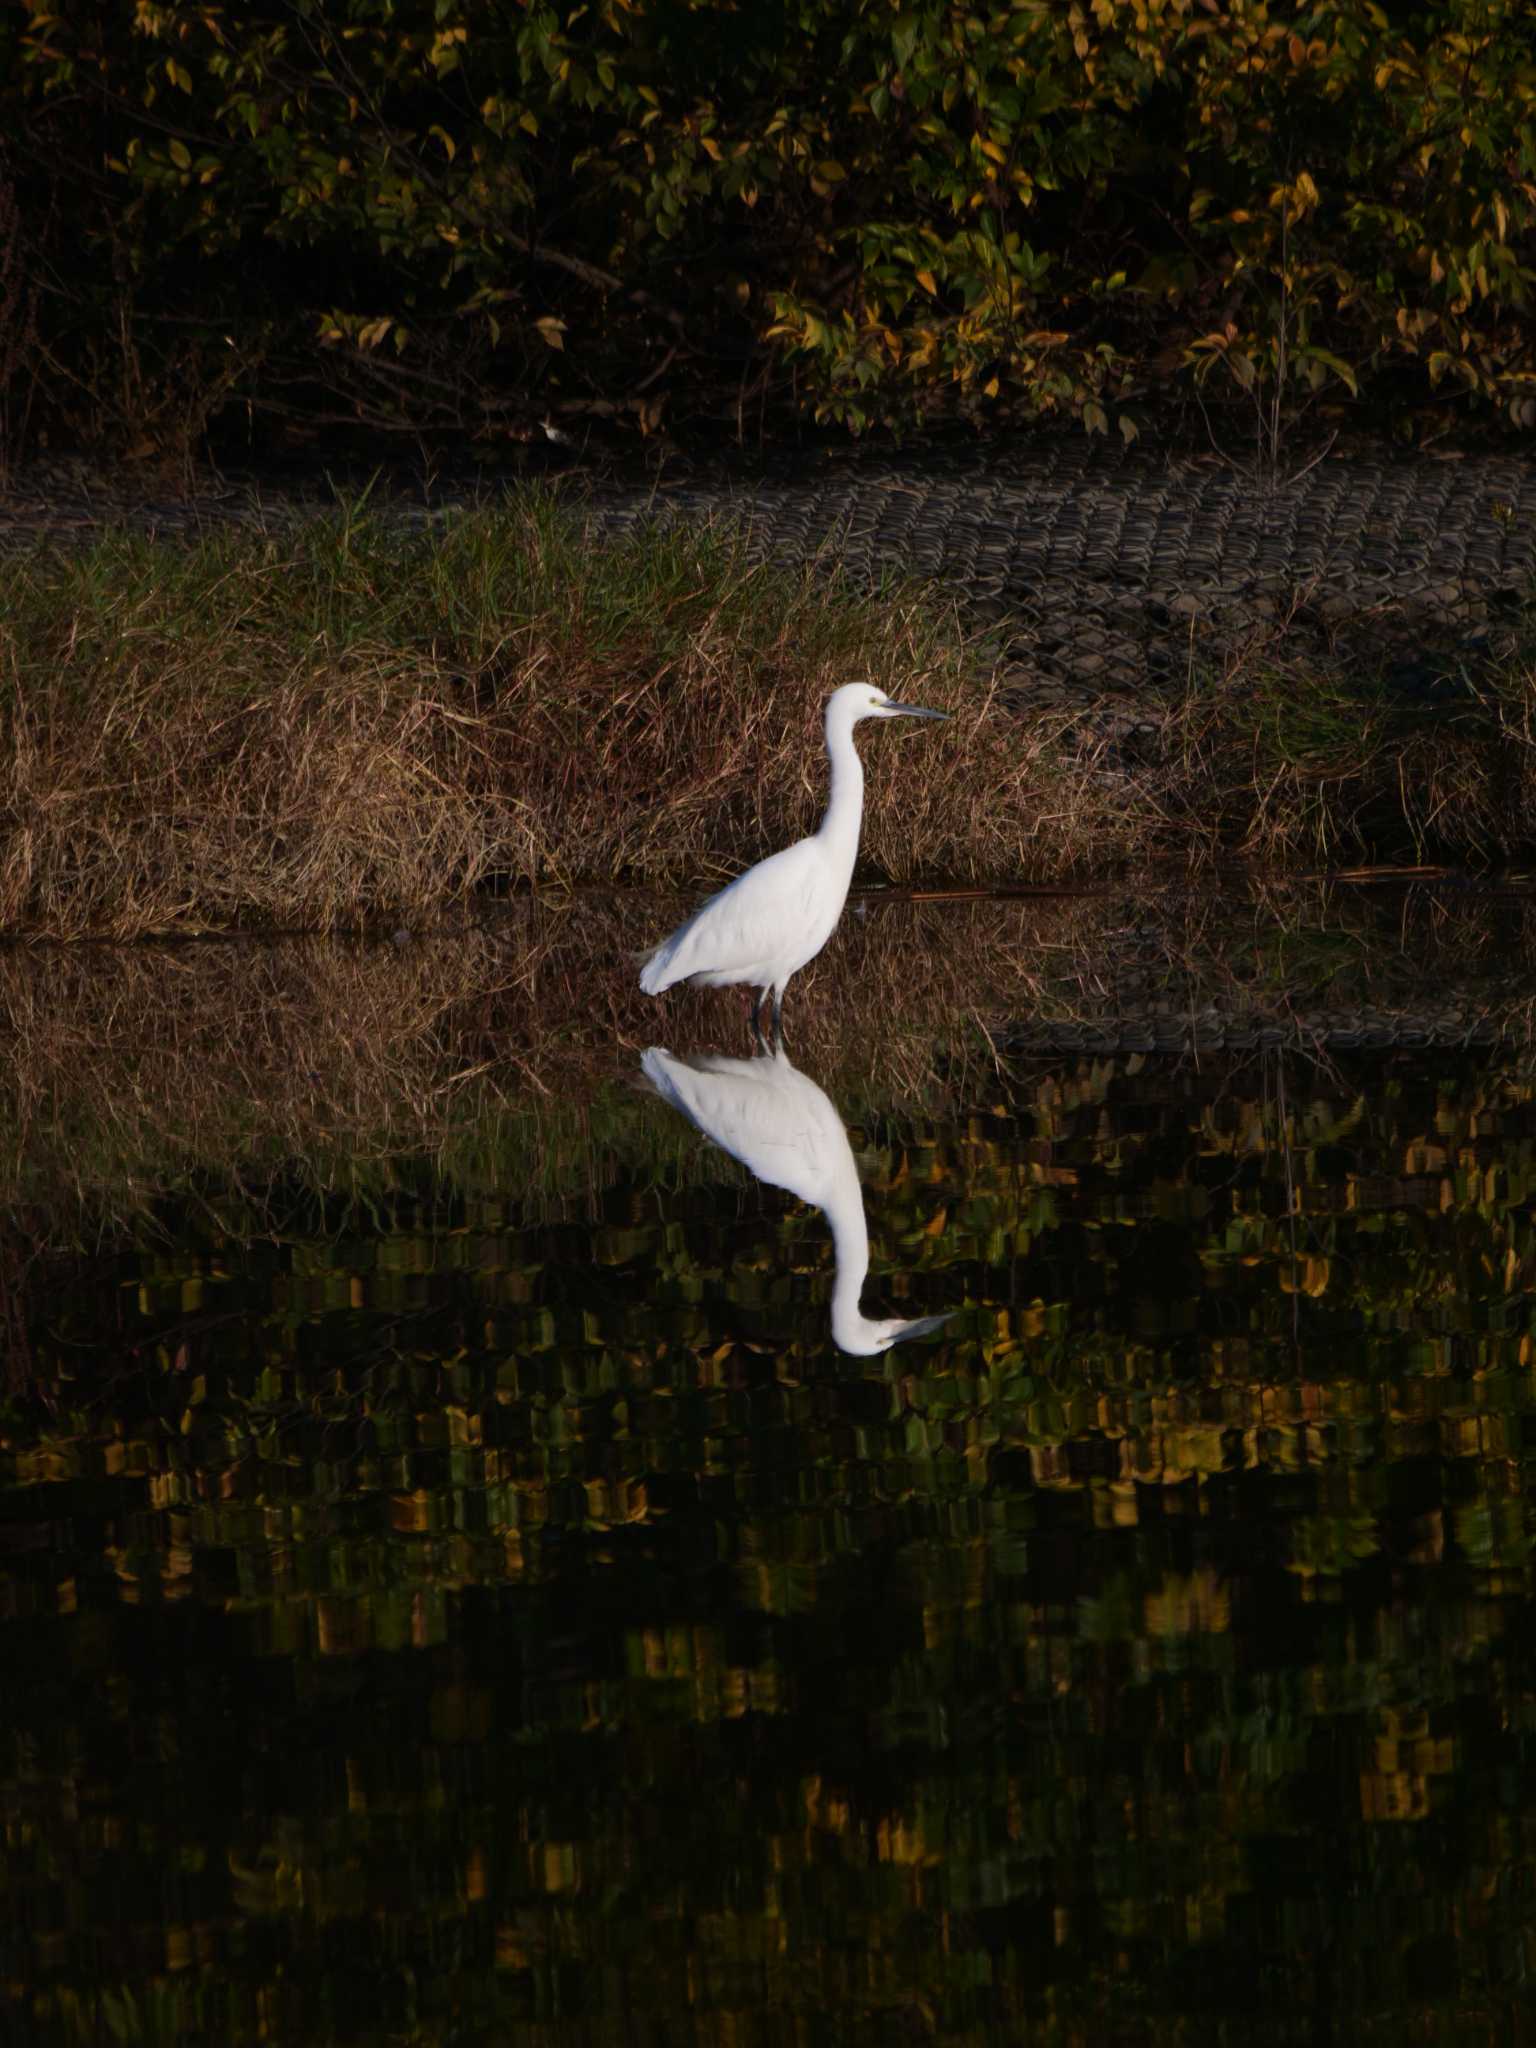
(655, 975)
(656, 1067)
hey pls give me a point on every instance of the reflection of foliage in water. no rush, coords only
(459, 1621)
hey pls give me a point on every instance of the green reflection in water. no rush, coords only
(442, 1626)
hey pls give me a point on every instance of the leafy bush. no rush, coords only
(468, 211)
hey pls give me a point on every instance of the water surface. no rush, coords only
(478, 1595)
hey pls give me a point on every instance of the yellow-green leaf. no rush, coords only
(1339, 367)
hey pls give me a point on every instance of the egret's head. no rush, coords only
(868, 700)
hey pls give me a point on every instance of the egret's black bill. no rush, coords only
(915, 710)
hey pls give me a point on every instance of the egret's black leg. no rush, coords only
(757, 1019)
(778, 1016)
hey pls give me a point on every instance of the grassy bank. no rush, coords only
(348, 726)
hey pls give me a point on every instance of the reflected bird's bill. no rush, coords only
(924, 1326)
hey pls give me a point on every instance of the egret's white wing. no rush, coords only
(750, 926)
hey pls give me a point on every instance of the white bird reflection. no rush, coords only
(782, 1127)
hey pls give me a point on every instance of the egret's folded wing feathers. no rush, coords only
(748, 926)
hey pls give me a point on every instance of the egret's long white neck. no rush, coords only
(845, 806)
(844, 1211)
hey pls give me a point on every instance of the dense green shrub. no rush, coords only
(476, 209)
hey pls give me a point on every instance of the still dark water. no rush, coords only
(461, 1618)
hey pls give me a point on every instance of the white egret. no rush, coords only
(764, 926)
(782, 1127)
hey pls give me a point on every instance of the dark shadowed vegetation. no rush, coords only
(459, 216)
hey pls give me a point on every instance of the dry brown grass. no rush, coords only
(1326, 760)
(353, 728)
(151, 803)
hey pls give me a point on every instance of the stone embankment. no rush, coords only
(1100, 568)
